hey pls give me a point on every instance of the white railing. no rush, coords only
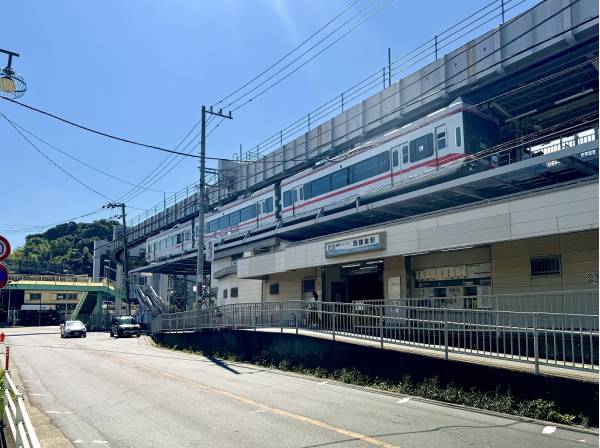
(539, 338)
(16, 418)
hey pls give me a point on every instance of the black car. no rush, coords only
(124, 326)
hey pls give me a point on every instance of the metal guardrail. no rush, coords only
(554, 339)
(16, 418)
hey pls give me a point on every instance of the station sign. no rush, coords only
(4, 248)
(363, 243)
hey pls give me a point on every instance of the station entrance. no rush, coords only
(355, 282)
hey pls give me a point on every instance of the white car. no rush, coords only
(73, 328)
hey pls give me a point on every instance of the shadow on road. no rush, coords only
(220, 363)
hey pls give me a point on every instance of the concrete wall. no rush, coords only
(511, 270)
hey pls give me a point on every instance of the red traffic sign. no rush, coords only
(3, 276)
(4, 248)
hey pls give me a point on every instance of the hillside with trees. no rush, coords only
(70, 244)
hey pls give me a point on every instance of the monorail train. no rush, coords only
(440, 140)
(257, 210)
(435, 145)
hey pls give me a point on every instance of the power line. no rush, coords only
(104, 134)
(288, 54)
(82, 162)
(263, 91)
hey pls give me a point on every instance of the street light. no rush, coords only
(12, 84)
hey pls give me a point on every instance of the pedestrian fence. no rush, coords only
(16, 418)
(565, 340)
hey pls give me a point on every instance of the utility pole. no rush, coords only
(201, 201)
(121, 205)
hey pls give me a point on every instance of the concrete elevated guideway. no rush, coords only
(129, 393)
(481, 71)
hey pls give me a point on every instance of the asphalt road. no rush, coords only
(109, 392)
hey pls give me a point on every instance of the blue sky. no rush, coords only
(142, 70)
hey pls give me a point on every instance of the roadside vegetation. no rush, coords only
(430, 388)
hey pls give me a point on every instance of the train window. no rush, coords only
(248, 213)
(307, 190)
(223, 222)
(321, 186)
(287, 198)
(458, 137)
(405, 154)
(371, 167)
(395, 160)
(213, 226)
(234, 218)
(269, 205)
(339, 179)
(179, 238)
(441, 139)
(421, 148)
(295, 195)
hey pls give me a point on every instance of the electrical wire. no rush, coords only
(94, 131)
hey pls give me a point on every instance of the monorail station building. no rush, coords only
(470, 183)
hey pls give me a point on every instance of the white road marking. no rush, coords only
(39, 395)
(404, 400)
(59, 412)
(78, 441)
(581, 440)
(258, 411)
(100, 441)
(548, 429)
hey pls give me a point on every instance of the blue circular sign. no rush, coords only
(3, 276)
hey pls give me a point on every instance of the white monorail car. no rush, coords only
(255, 211)
(430, 145)
(170, 243)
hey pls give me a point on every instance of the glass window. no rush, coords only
(458, 137)
(223, 222)
(269, 205)
(421, 148)
(545, 266)
(179, 238)
(339, 179)
(213, 226)
(308, 285)
(234, 292)
(307, 191)
(321, 186)
(295, 195)
(248, 213)
(371, 167)
(405, 154)
(395, 160)
(225, 293)
(441, 139)
(287, 198)
(274, 288)
(234, 218)
(35, 296)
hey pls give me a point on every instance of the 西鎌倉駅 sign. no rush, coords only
(358, 244)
